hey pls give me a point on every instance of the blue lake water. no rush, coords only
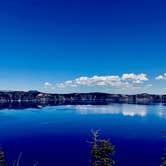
(58, 135)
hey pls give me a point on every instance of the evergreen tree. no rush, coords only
(102, 151)
(164, 159)
(2, 161)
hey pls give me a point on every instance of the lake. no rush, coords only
(58, 135)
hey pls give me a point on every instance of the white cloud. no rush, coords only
(149, 85)
(125, 83)
(161, 77)
(92, 81)
(47, 84)
(135, 78)
(105, 81)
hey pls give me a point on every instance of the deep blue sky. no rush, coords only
(55, 41)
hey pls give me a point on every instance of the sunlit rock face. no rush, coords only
(148, 99)
(163, 99)
(44, 99)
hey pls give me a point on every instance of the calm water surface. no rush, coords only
(57, 136)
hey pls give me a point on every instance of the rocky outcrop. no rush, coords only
(34, 98)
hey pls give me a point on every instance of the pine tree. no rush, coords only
(164, 159)
(102, 151)
(2, 161)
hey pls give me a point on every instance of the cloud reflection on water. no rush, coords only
(126, 110)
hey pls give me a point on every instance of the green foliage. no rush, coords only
(1, 155)
(164, 159)
(2, 161)
(102, 151)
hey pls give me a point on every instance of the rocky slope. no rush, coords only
(35, 98)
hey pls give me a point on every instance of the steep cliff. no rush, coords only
(38, 98)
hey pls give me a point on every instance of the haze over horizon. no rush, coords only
(83, 46)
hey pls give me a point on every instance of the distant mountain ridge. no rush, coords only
(40, 98)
